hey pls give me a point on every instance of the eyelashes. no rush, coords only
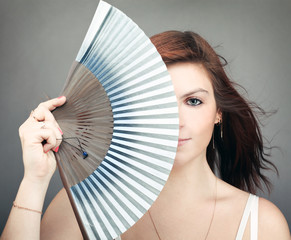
(193, 102)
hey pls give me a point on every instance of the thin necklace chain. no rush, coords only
(154, 225)
(213, 209)
(215, 199)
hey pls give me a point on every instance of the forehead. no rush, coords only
(188, 76)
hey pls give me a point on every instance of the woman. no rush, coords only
(218, 133)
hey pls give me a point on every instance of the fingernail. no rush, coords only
(60, 97)
(57, 149)
(61, 131)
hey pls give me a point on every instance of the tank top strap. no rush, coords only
(251, 210)
(254, 218)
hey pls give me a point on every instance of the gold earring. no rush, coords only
(221, 130)
(213, 147)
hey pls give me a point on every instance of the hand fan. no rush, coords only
(120, 125)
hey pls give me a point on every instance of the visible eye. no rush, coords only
(193, 102)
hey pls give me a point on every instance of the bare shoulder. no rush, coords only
(59, 221)
(272, 223)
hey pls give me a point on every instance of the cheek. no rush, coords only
(204, 131)
(203, 126)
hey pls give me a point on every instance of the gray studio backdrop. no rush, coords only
(39, 39)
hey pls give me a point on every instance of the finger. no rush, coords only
(43, 111)
(32, 131)
(56, 142)
(53, 126)
(29, 128)
(53, 103)
(51, 142)
(47, 117)
(45, 133)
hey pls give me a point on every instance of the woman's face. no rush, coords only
(197, 110)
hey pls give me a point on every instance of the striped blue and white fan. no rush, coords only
(120, 125)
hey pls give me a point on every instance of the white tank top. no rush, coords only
(251, 210)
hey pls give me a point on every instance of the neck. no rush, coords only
(190, 183)
(190, 191)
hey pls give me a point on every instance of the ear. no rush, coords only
(218, 117)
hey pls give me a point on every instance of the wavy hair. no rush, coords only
(239, 156)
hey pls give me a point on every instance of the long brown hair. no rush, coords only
(239, 155)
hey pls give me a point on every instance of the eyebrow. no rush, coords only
(198, 90)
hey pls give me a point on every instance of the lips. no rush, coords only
(182, 141)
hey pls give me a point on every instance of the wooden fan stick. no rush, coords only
(73, 204)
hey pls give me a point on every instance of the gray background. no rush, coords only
(40, 39)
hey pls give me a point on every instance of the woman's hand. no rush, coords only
(40, 134)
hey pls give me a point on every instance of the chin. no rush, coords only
(181, 159)
(186, 156)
